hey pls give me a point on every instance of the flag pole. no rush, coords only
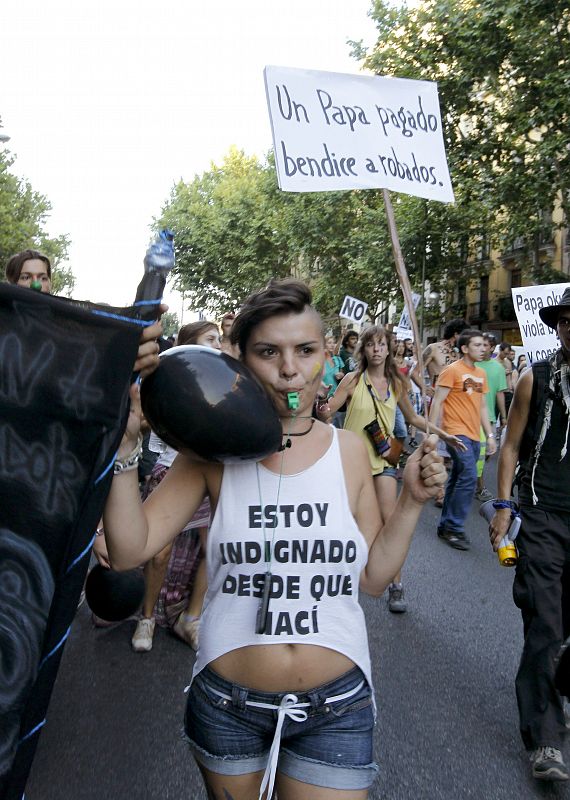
(406, 289)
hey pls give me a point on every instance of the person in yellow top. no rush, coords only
(372, 392)
(460, 394)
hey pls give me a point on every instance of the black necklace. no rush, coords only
(288, 435)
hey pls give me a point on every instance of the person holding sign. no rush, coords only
(281, 691)
(538, 438)
(373, 393)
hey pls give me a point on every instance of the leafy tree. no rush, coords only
(235, 230)
(62, 280)
(23, 214)
(503, 73)
(229, 237)
(170, 323)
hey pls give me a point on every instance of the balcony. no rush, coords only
(523, 247)
(498, 310)
(482, 253)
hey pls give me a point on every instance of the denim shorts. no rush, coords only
(332, 747)
(387, 472)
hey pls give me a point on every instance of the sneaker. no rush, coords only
(142, 637)
(187, 628)
(396, 602)
(483, 494)
(456, 539)
(548, 765)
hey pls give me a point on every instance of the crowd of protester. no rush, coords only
(369, 383)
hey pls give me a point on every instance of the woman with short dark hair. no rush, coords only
(280, 692)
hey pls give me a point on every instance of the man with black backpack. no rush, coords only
(538, 439)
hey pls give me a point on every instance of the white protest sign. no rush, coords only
(353, 309)
(539, 340)
(404, 329)
(403, 333)
(335, 131)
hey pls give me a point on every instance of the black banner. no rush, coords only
(65, 370)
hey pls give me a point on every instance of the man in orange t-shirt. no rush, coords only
(460, 396)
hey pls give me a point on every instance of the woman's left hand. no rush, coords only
(425, 472)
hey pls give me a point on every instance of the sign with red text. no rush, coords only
(336, 131)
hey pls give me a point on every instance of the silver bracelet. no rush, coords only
(131, 461)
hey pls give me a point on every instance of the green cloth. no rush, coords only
(497, 380)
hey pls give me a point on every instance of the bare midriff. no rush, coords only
(281, 667)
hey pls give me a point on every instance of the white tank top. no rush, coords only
(317, 555)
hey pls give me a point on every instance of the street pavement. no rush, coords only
(444, 679)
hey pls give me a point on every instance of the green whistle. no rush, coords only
(36, 286)
(293, 400)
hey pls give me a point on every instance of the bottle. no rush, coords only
(506, 552)
(158, 262)
(160, 254)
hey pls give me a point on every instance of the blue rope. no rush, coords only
(107, 468)
(134, 320)
(56, 648)
(148, 302)
(498, 504)
(80, 556)
(34, 730)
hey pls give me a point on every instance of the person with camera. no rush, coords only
(373, 392)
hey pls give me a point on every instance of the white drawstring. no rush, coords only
(288, 707)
